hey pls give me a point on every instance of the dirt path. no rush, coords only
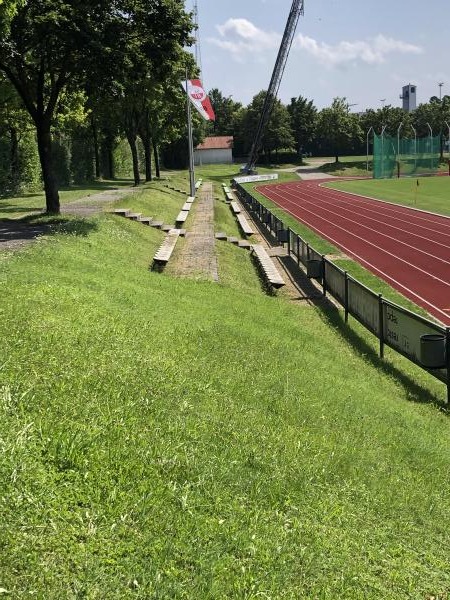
(198, 256)
(15, 235)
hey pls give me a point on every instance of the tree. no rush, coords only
(225, 110)
(338, 127)
(303, 115)
(51, 47)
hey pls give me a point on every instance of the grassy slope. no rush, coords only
(433, 193)
(13, 208)
(165, 438)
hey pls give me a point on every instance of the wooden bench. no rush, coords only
(182, 216)
(187, 206)
(198, 183)
(244, 224)
(145, 220)
(235, 208)
(164, 252)
(268, 267)
(134, 216)
(190, 199)
(230, 197)
(123, 212)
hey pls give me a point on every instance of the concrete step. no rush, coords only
(221, 236)
(157, 224)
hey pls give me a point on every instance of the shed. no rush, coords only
(214, 150)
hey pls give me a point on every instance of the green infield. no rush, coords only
(426, 193)
(173, 438)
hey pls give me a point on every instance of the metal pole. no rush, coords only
(448, 149)
(415, 147)
(367, 156)
(382, 150)
(398, 138)
(431, 142)
(190, 140)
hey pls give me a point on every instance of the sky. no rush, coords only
(363, 50)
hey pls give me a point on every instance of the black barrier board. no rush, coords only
(363, 304)
(335, 280)
(402, 331)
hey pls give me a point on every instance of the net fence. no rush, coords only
(405, 157)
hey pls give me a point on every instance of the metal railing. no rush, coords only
(423, 342)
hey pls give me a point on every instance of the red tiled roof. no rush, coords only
(216, 143)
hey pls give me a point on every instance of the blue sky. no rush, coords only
(364, 50)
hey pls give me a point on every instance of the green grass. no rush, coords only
(169, 438)
(432, 194)
(27, 204)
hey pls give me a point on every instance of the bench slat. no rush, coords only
(165, 250)
(182, 216)
(235, 208)
(245, 226)
(268, 266)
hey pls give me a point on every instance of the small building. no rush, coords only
(214, 150)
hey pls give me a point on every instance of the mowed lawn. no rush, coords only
(432, 193)
(170, 438)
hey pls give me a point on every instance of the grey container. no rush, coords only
(432, 351)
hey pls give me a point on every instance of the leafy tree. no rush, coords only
(51, 47)
(338, 127)
(225, 110)
(303, 115)
(277, 135)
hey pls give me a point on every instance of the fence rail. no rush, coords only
(423, 342)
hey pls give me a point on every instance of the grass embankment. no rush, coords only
(168, 438)
(432, 193)
(32, 203)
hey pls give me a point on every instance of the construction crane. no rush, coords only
(297, 9)
(198, 54)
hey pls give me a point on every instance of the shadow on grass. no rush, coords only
(17, 231)
(14, 208)
(415, 391)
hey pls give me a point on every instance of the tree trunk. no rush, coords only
(131, 137)
(44, 142)
(337, 156)
(156, 157)
(14, 157)
(96, 148)
(147, 144)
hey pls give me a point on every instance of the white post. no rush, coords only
(367, 154)
(190, 140)
(382, 150)
(431, 142)
(415, 146)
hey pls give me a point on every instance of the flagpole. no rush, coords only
(190, 141)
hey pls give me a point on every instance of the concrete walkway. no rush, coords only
(198, 257)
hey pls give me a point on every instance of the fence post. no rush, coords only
(346, 296)
(381, 324)
(447, 356)
(298, 250)
(324, 279)
(307, 251)
(289, 241)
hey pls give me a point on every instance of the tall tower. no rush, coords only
(409, 97)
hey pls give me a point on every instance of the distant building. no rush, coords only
(409, 97)
(214, 150)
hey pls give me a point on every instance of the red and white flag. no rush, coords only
(200, 99)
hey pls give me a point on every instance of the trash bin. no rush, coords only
(432, 351)
(314, 269)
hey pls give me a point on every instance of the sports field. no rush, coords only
(409, 249)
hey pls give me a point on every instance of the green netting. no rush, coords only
(407, 157)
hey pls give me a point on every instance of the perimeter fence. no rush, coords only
(404, 157)
(423, 342)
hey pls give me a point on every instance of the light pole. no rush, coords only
(440, 89)
(190, 140)
(367, 146)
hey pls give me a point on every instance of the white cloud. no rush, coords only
(371, 51)
(240, 37)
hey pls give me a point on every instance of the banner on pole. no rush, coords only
(199, 98)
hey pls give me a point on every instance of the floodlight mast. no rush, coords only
(297, 9)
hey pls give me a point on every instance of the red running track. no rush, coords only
(409, 249)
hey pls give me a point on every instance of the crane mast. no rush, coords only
(297, 9)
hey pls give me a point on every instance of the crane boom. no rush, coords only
(297, 9)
